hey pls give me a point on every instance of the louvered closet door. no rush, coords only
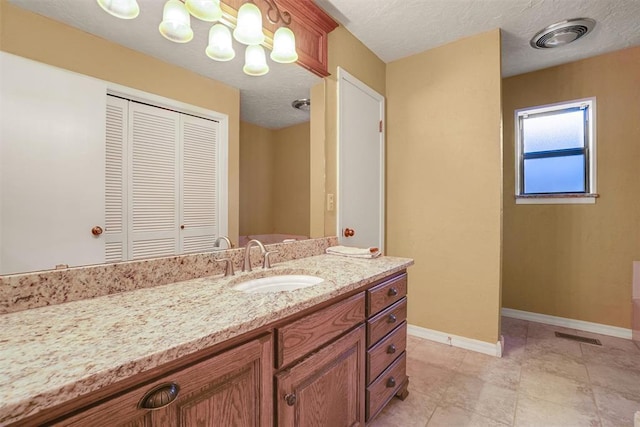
(115, 180)
(199, 184)
(153, 181)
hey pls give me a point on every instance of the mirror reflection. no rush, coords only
(273, 175)
(274, 183)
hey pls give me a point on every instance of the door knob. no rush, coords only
(349, 232)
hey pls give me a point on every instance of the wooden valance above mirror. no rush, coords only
(310, 24)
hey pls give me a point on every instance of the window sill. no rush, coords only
(557, 199)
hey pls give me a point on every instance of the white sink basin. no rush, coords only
(284, 282)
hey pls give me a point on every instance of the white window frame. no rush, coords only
(560, 198)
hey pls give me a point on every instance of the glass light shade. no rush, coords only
(249, 26)
(284, 46)
(220, 44)
(176, 23)
(255, 61)
(206, 10)
(123, 9)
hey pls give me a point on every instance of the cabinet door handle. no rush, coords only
(290, 399)
(392, 318)
(97, 230)
(393, 292)
(160, 396)
(391, 349)
(391, 382)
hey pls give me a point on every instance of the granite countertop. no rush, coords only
(52, 354)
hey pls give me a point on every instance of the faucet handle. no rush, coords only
(267, 260)
(228, 269)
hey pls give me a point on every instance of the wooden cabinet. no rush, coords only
(299, 338)
(233, 388)
(327, 388)
(386, 344)
(337, 364)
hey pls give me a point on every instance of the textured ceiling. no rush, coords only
(265, 100)
(394, 29)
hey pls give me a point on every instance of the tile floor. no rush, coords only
(541, 381)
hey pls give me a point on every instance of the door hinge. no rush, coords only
(380, 125)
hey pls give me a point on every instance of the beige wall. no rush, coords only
(349, 53)
(575, 261)
(291, 179)
(444, 183)
(317, 177)
(32, 36)
(274, 179)
(256, 179)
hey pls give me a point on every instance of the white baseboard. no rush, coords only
(597, 328)
(457, 341)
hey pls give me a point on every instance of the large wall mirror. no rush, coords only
(273, 138)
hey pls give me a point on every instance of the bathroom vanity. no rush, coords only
(199, 350)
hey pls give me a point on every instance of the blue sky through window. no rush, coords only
(554, 152)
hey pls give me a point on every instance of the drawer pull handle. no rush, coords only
(391, 382)
(392, 318)
(393, 292)
(391, 349)
(290, 399)
(159, 396)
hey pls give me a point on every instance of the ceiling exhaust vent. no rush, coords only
(303, 104)
(562, 33)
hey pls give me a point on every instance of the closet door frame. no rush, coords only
(181, 107)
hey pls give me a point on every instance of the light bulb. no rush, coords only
(255, 61)
(249, 26)
(220, 44)
(284, 46)
(176, 24)
(123, 9)
(206, 10)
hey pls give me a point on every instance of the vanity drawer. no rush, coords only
(386, 351)
(386, 293)
(387, 384)
(307, 334)
(385, 321)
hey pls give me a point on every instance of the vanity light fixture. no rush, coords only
(176, 26)
(255, 61)
(176, 22)
(220, 46)
(284, 46)
(249, 26)
(123, 9)
(205, 10)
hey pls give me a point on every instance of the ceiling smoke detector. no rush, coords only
(303, 104)
(562, 33)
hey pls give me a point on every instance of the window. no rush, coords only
(555, 153)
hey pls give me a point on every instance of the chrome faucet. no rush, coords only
(247, 253)
(216, 244)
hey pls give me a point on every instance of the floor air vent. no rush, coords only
(578, 338)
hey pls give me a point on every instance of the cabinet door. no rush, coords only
(233, 388)
(325, 389)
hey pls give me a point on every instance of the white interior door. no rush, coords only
(360, 163)
(52, 171)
